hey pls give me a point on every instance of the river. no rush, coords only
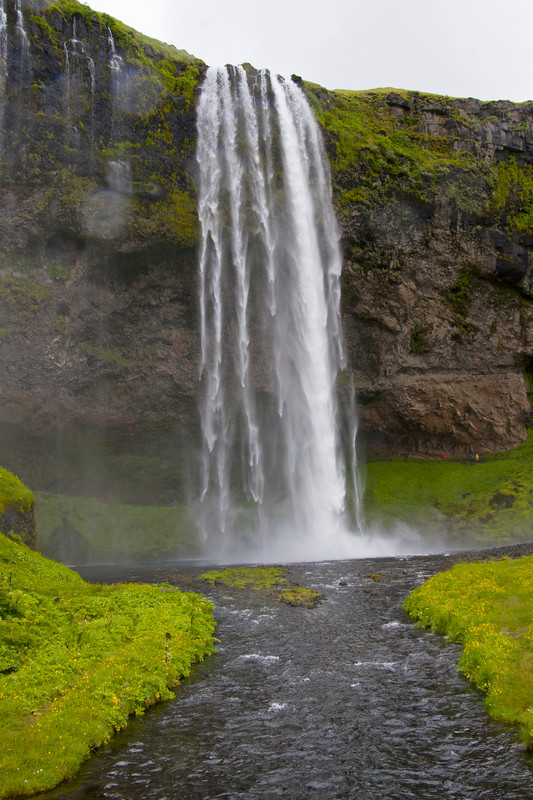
(346, 701)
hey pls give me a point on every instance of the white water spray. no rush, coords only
(274, 472)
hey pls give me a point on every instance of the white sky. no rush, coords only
(465, 48)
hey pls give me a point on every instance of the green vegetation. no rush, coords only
(271, 580)
(488, 608)
(513, 193)
(83, 529)
(367, 140)
(77, 659)
(492, 499)
(22, 294)
(13, 493)
(386, 146)
(110, 356)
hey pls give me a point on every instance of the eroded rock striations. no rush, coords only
(98, 235)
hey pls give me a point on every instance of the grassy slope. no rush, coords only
(492, 499)
(81, 529)
(488, 608)
(13, 492)
(77, 659)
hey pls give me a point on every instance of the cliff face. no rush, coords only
(98, 225)
(435, 206)
(98, 233)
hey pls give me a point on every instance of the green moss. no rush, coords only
(458, 296)
(512, 196)
(381, 153)
(108, 355)
(246, 577)
(13, 493)
(467, 495)
(187, 83)
(419, 338)
(22, 293)
(81, 529)
(273, 580)
(488, 608)
(175, 218)
(76, 660)
(57, 272)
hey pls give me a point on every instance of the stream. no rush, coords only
(346, 700)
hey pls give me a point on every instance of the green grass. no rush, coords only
(271, 580)
(13, 492)
(488, 608)
(83, 529)
(77, 659)
(492, 499)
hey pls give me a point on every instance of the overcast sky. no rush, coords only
(465, 48)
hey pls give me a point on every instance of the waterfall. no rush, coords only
(25, 42)
(273, 469)
(80, 71)
(119, 177)
(3, 70)
(115, 63)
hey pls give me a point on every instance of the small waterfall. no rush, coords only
(273, 465)
(80, 72)
(24, 41)
(116, 63)
(117, 83)
(119, 177)
(3, 70)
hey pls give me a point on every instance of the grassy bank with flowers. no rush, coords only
(77, 659)
(488, 608)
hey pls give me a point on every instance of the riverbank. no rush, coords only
(487, 607)
(77, 659)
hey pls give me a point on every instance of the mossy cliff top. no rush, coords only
(384, 143)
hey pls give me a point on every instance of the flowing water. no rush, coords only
(116, 64)
(3, 69)
(80, 76)
(272, 348)
(346, 701)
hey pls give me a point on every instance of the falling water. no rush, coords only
(3, 69)
(274, 474)
(78, 67)
(119, 177)
(20, 26)
(115, 63)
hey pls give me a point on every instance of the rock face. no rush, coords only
(98, 234)
(20, 522)
(98, 225)
(435, 206)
